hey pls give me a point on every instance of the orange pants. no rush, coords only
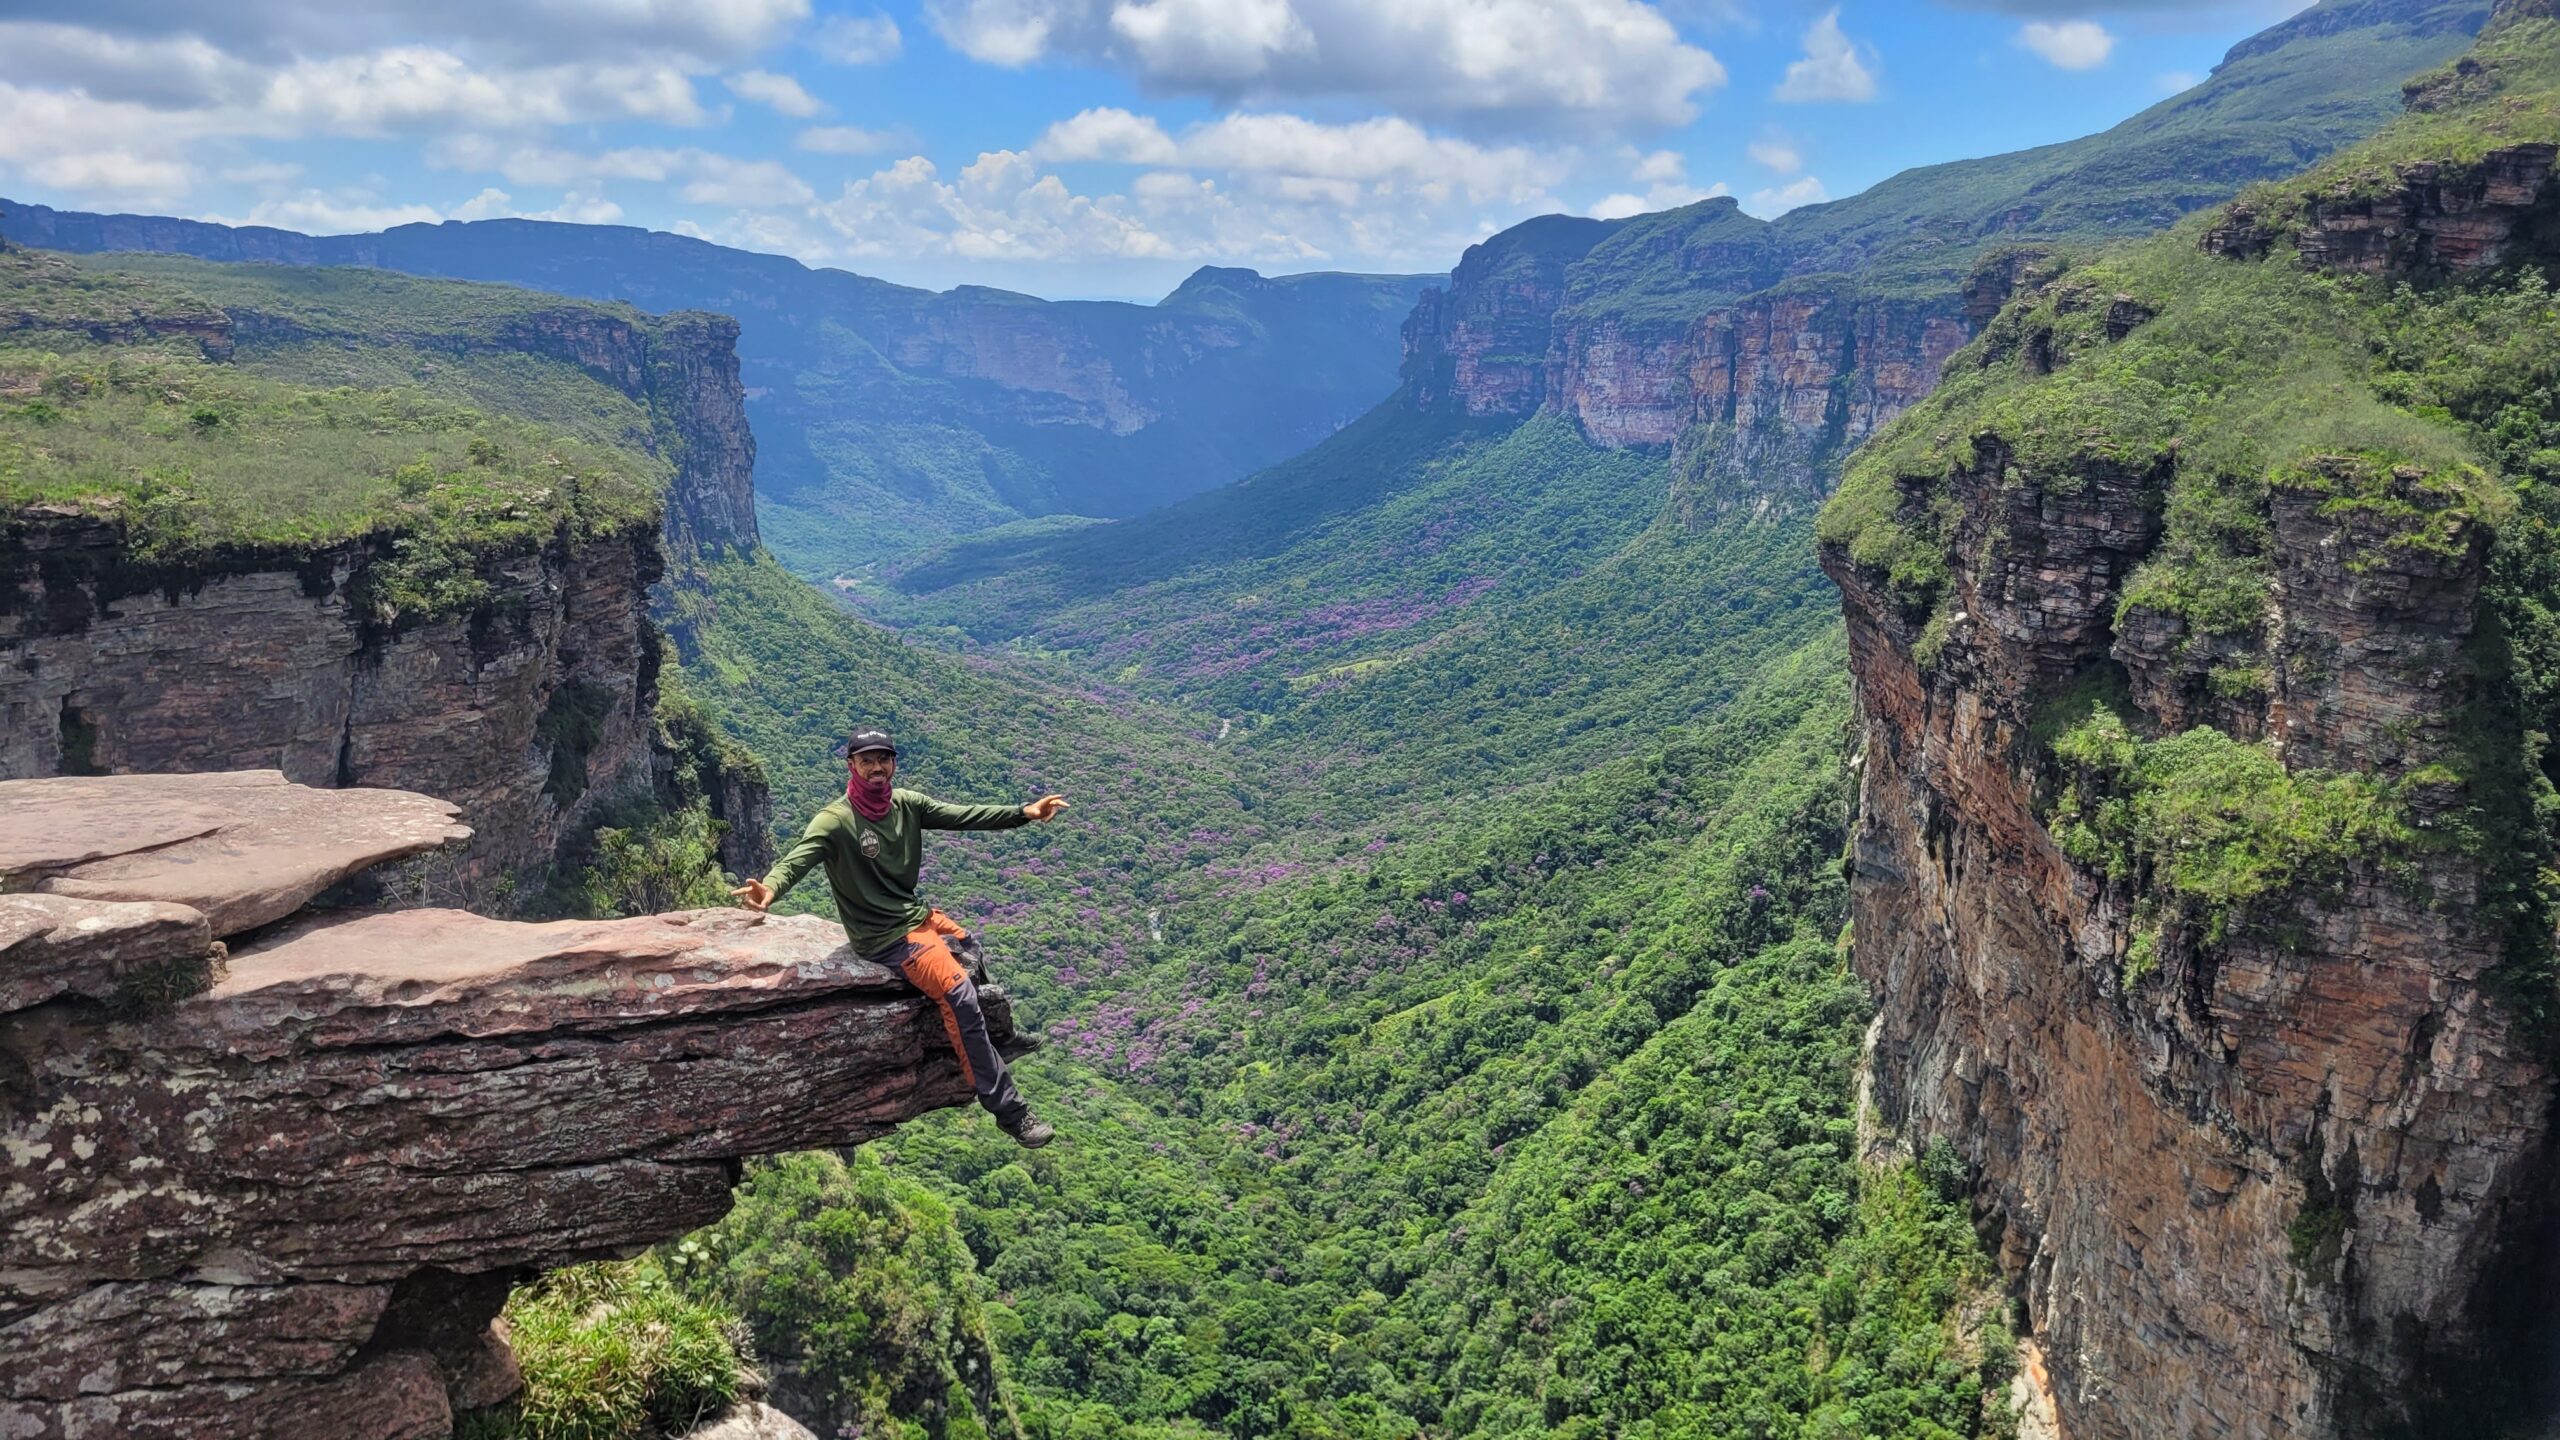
(931, 964)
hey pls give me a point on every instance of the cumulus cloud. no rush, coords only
(708, 34)
(2176, 82)
(2070, 44)
(1309, 157)
(843, 140)
(1778, 200)
(1590, 63)
(2211, 10)
(780, 92)
(745, 183)
(858, 39)
(117, 98)
(1775, 152)
(338, 212)
(1832, 68)
(574, 208)
(1665, 173)
(707, 177)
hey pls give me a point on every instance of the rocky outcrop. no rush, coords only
(288, 1200)
(1482, 346)
(2422, 219)
(527, 710)
(2278, 1186)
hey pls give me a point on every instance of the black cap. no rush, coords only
(869, 737)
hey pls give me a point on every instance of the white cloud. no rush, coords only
(262, 173)
(708, 177)
(1660, 166)
(2177, 82)
(1106, 133)
(999, 207)
(418, 87)
(1293, 154)
(574, 208)
(2070, 44)
(781, 92)
(703, 34)
(115, 98)
(1778, 200)
(1218, 40)
(1667, 175)
(858, 39)
(1595, 64)
(1831, 69)
(843, 140)
(320, 212)
(747, 184)
(1775, 152)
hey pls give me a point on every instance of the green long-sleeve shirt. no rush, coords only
(872, 864)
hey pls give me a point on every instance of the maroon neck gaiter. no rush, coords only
(869, 799)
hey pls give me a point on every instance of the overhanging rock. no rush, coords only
(291, 1203)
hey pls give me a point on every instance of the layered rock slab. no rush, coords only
(243, 848)
(290, 1205)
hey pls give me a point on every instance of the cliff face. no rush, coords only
(289, 1201)
(1482, 346)
(2277, 1160)
(2148, 1159)
(527, 711)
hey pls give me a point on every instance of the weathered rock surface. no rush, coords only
(753, 1420)
(525, 712)
(2428, 218)
(291, 1204)
(242, 847)
(2277, 1187)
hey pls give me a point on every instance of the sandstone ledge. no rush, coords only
(291, 1204)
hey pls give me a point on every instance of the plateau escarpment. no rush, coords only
(1772, 348)
(269, 1171)
(215, 568)
(942, 412)
(2200, 632)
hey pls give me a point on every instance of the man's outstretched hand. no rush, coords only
(1045, 808)
(755, 893)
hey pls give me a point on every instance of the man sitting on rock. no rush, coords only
(872, 843)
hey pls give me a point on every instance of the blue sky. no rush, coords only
(1062, 147)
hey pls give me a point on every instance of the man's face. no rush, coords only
(874, 766)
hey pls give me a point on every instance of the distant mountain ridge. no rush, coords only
(1783, 343)
(890, 417)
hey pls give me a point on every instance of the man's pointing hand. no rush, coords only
(1045, 808)
(755, 894)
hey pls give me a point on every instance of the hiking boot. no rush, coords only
(1030, 1131)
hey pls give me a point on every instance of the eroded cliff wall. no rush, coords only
(2195, 786)
(528, 710)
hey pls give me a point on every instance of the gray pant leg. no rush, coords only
(995, 1085)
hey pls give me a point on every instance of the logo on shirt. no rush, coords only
(869, 844)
